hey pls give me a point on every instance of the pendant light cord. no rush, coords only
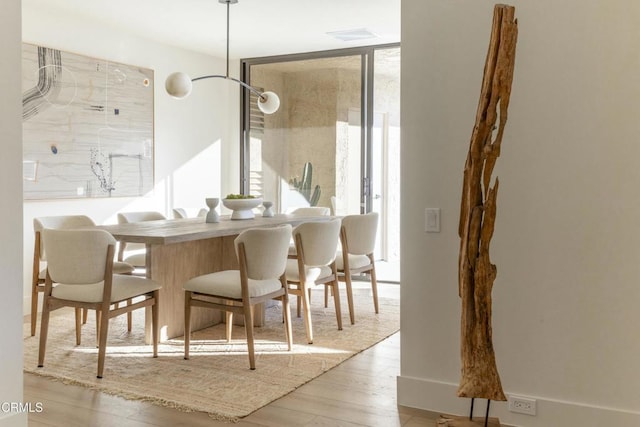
(227, 39)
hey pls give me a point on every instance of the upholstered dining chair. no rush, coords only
(311, 211)
(316, 244)
(135, 253)
(60, 222)
(358, 241)
(179, 213)
(262, 258)
(301, 212)
(80, 262)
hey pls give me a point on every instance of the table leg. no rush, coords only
(172, 265)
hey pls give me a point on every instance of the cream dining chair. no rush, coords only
(80, 262)
(316, 244)
(179, 213)
(262, 258)
(135, 253)
(311, 211)
(304, 212)
(358, 241)
(61, 222)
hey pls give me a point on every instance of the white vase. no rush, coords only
(268, 209)
(212, 215)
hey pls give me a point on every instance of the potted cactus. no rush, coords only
(303, 186)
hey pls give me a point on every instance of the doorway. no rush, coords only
(334, 142)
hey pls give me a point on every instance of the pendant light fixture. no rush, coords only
(179, 84)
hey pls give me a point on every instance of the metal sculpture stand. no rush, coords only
(458, 421)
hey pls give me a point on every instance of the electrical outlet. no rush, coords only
(522, 405)
(432, 220)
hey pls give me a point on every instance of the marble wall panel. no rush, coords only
(87, 126)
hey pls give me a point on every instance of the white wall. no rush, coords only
(192, 135)
(11, 214)
(567, 238)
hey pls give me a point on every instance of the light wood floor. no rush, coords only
(359, 392)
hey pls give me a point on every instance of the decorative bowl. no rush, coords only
(242, 208)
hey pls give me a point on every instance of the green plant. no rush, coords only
(304, 185)
(239, 196)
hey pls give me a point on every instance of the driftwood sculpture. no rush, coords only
(478, 213)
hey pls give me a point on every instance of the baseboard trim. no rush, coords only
(14, 419)
(440, 397)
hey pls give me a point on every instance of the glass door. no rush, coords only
(334, 142)
(309, 152)
(385, 158)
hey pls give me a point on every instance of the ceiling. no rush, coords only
(257, 27)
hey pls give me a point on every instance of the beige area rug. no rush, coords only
(217, 378)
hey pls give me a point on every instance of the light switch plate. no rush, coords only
(432, 220)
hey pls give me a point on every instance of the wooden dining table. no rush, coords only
(180, 249)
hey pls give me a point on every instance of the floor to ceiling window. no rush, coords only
(334, 142)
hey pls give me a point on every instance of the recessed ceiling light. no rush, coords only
(353, 35)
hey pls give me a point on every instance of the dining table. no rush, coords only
(180, 249)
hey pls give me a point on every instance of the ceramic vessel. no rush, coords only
(242, 208)
(212, 215)
(268, 209)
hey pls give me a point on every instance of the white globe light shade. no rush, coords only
(178, 85)
(270, 104)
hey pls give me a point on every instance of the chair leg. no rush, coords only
(287, 321)
(130, 315)
(44, 330)
(102, 345)
(336, 302)
(229, 324)
(34, 308)
(78, 325)
(248, 326)
(326, 297)
(85, 315)
(155, 322)
(347, 281)
(298, 305)
(307, 312)
(187, 323)
(374, 287)
(98, 320)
